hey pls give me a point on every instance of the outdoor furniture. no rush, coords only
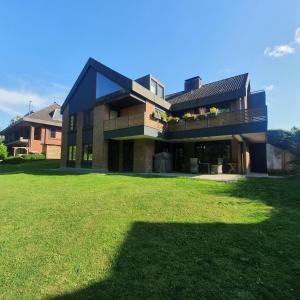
(205, 165)
(232, 168)
(194, 167)
(163, 162)
(216, 169)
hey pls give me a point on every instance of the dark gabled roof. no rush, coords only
(222, 90)
(120, 79)
(49, 115)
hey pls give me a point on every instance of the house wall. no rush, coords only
(133, 110)
(278, 160)
(143, 155)
(64, 140)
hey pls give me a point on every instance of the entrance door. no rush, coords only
(258, 158)
(128, 156)
(113, 155)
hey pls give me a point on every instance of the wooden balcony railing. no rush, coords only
(142, 119)
(222, 119)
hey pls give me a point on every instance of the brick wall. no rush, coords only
(100, 146)
(64, 139)
(143, 156)
(132, 110)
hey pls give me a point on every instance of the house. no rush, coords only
(36, 132)
(113, 123)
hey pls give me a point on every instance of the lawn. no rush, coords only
(89, 236)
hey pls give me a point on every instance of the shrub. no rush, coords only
(3, 151)
(13, 160)
(35, 156)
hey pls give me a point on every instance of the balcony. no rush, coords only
(243, 121)
(19, 141)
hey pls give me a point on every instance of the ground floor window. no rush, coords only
(87, 155)
(71, 156)
(216, 152)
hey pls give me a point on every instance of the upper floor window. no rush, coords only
(72, 123)
(105, 86)
(37, 133)
(52, 133)
(157, 89)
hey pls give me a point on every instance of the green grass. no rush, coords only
(88, 236)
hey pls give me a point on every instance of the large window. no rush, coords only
(72, 153)
(87, 155)
(157, 89)
(37, 133)
(72, 123)
(105, 86)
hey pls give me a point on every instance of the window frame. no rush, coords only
(72, 124)
(51, 130)
(35, 133)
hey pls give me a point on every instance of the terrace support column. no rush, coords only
(143, 156)
(100, 145)
(236, 155)
(189, 152)
(64, 138)
(246, 158)
(79, 147)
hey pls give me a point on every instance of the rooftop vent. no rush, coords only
(192, 84)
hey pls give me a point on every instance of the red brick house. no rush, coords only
(37, 132)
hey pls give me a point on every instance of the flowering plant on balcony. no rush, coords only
(173, 119)
(202, 111)
(189, 117)
(213, 111)
(157, 115)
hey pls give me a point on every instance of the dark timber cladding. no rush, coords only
(119, 119)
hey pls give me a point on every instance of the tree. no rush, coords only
(3, 151)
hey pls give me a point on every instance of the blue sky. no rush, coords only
(45, 44)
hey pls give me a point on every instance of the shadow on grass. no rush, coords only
(211, 260)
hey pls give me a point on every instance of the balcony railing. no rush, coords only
(222, 119)
(142, 119)
(19, 140)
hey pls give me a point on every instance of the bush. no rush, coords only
(33, 156)
(3, 151)
(13, 160)
(24, 158)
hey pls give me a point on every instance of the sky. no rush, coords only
(45, 44)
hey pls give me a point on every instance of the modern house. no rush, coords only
(114, 123)
(36, 132)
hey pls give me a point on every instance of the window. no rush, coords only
(72, 122)
(88, 119)
(160, 91)
(37, 133)
(87, 152)
(157, 89)
(113, 114)
(87, 156)
(72, 153)
(105, 86)
(153, 86)
(52, 133)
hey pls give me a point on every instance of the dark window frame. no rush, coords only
(87, 155)
(51, 131)
(72, 122)
(37, 133)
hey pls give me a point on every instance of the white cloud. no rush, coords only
(279, 51)
(13, 101)
(269, 88)
(297, 35)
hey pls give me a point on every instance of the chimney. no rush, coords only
(192, 84)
